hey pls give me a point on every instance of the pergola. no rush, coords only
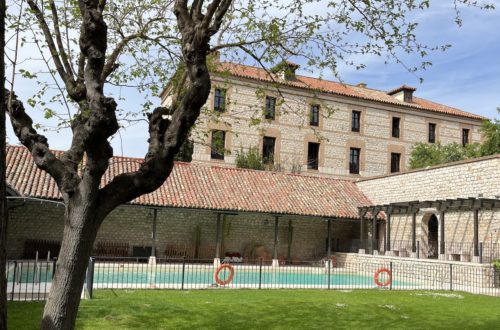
(276, 232)
(474, 204)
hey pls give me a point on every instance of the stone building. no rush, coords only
(450, 211)
(314, 126)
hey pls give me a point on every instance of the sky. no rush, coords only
(467, 76)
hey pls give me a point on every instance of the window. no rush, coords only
(354, 160)
(270, 107)
(395, 126)
(395, 162)
(219, 100)
(218, 144)
(314, 120)
(312, 156)
(356, 120)
(432, 133)
(465, 136)
(268, 144)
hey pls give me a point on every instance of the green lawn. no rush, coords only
(274, 309)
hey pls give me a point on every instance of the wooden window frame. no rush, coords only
(215, 154)
(355, 121)
(217, 106)
(314, 115)
(354, 167)
(313, 165)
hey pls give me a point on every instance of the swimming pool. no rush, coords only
(250, 277)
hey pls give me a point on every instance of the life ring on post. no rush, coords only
(378, 272)
(229, 279)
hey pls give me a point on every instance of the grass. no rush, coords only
(274, 309)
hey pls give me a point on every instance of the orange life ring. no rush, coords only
(389, 278)
(229, 279)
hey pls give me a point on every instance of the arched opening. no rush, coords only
(432, 237)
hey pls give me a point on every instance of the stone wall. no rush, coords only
(245, 126)
(473, 178)
(430, 274)
(177, 227)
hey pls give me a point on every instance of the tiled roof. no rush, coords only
(332, 87)
(212, 187)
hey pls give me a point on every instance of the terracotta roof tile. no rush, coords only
(212, 187)
(332, 87)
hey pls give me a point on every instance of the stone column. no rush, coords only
(329, 237)
(388, 251)
(275, 252)
(152, 258)
(362, 247)
(442, 255)
(217, 241)
(413, 234)
(475, 258)
(374, 234)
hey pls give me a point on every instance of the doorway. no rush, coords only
(432, 237)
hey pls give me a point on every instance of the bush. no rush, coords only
(250, 159)
(423, 154)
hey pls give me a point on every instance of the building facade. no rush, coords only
(450, 211)
(307, 125)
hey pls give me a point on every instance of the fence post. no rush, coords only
(90, 277)
(183, 271)
(390, 271)
(260, 274)
(451, 277)
(329, 271)
(54, 263)
(481, 252)
(418, 249)
(14, 281)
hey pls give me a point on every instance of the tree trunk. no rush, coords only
(3, 201)
(80, 231)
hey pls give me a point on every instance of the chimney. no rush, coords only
(403, 93)
(286, 70)
(361, 84)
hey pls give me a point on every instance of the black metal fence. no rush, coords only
(184, 274)
(30, 280)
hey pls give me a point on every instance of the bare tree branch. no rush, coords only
(219, 15)
(181, 11)
(65, 76)
(57, 31)
(38, 146)
(110, 65)
(196, 10)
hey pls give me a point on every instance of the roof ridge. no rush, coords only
(230, 168)
(351, 91)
